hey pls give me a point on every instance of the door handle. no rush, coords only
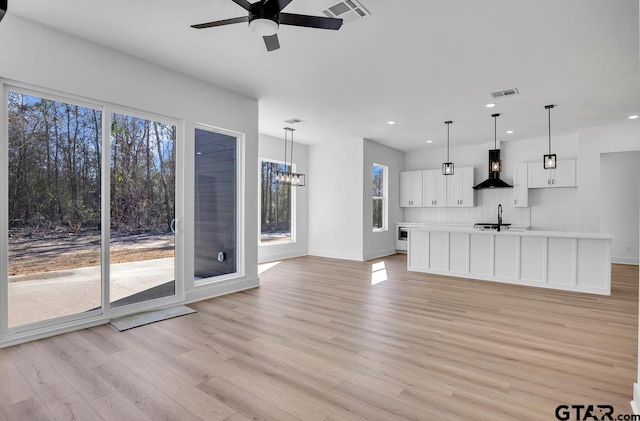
(172, 226)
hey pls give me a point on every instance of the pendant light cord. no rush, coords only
(448, 123)
(495, 130)
(549, 129)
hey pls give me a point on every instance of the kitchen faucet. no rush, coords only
(499, 216)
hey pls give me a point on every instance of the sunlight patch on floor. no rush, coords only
(263, 267)
(378, 273)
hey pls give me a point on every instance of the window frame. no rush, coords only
(383, 198)
(292, 206)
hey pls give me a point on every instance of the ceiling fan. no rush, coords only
(3, 8)
(265, 17)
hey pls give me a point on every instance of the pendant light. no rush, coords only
(288, 177)
(447, 167)
(495, 164)
(549, 161)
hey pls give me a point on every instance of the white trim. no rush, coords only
(221, 288)
(336, 255)
(384, 197)
(625, 260)
(240, 213)
(4, 214)
(379, 254)
(281, 256)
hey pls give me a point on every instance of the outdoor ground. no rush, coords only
(66, 250)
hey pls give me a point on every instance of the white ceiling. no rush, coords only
(414, 61)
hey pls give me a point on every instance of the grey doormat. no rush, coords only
(147, 317)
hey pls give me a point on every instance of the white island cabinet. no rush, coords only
(559, 260)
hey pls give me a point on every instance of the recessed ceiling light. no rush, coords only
(391, 122)
(429, 141)
(633, 117)
(490, 105)
(509, 131)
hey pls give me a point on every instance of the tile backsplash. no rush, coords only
(485, 210)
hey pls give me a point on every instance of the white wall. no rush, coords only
(36, 55)
(381, 243)
(335, 199)
(272, 148)
(592, 143)
(620, 203)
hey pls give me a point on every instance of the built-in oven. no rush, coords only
(401, 238)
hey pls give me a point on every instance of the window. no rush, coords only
(276, 210)
(379, 178)
(216, 204)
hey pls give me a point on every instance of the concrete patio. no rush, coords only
(48, 295)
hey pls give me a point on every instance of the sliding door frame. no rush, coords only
(105, 312)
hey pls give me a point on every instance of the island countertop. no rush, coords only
(575, 261)
(508, 231)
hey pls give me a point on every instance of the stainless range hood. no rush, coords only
(494, 181)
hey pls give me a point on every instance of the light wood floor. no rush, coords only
(317, 341)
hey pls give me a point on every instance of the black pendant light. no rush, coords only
(447, 167)
(495, 165)
(549, 161)
(288, 177)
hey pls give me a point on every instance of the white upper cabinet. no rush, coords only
(434, 192)
(411, 189)
(563, 176)
(521, 185)
(460, 188)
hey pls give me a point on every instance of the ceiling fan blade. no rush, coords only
(221, 22)
(310, 21)
(272, 42)
(3, 8)
(283, 3)
(243, 3)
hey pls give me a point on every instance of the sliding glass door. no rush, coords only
(88, 211)
(142, 224)
(53, 218)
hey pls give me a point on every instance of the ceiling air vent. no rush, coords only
(347, 10)
(506, 92)
(294, 121)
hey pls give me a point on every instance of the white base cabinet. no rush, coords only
(558, 260)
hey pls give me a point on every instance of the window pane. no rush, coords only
(54, 209)
(275, 219)
(215, 204)
(378, 181)
(143, 162)
(378, 213)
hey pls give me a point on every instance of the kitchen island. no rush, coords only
(560, 260)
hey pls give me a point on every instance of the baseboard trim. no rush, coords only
(378, 254)
(280, 256)
(217, 289)
(625, 261)
(336, 255)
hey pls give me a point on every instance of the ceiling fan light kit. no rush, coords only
(263, 27)
(266, 16)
